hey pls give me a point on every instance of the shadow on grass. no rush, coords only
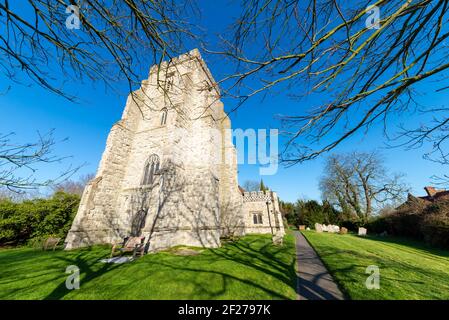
(409, 269)
(382, 262)
(260, 256)
(89, 270)
(251, 267)
(263, 260)
(413, 243)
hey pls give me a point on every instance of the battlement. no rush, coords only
(174, 65)
(254, 196)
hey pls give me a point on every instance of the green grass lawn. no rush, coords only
(408, 269)
(251, 268)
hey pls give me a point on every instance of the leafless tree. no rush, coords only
(74, 186)
(442, 180)
(251, 185)
(20, 196)
(360, 184)
(359, 75)
(19, 163)
(116, 41)
(307, 48)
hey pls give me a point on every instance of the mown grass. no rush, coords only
(251, 268)
(408, 269)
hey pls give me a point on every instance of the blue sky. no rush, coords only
(28, 109)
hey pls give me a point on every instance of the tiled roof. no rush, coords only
(434, 194)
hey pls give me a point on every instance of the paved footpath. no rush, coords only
(314, 281)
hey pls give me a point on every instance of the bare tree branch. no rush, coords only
(20, 162)
(360, 183)
(323, 50)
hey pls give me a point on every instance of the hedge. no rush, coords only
(22, 222)
(423, 222)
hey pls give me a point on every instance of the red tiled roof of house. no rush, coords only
(434, 194)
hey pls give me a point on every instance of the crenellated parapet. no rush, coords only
(255, 196)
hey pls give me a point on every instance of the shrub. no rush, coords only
(352, 224)
(418, 220)
(310, 212)
(435, 226)
(38, 218)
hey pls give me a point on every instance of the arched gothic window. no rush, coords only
(151, 168)
(164, 116)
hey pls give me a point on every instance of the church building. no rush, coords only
(169, 169)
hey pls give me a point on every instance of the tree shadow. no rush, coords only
(87, 273)
(408, 242)
(265, 259)
(262, 259)
(312, 291)
(201, 287)
(382, 262)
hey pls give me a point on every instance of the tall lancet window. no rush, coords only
(164, 117)
(151, 168)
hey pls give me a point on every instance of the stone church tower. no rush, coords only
(169, 170)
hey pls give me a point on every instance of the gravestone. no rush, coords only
(362, 232)
(318, 227)
(343, 230)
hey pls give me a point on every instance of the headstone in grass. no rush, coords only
(302, 227)
(343, 230)
(362, 232)
(318, 227)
